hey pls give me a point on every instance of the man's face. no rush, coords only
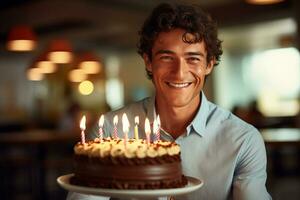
(178, 69)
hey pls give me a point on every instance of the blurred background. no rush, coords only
(62, 59)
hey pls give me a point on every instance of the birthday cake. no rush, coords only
(130, 164)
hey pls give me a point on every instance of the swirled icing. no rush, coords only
(132, 149)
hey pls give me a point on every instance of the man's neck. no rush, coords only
(175, 120)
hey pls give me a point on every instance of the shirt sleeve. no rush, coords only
(250, 173)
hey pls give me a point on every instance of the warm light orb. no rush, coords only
(86, 87)
(35, 74)
(21, 45)
(77, 75)
(90, 67)
(46, 67)
(60, 57)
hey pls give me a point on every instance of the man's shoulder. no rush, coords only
(233, 130)
(228, 121)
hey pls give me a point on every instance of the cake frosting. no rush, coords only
(111, 163)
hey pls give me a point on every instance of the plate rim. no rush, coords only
(193, 185)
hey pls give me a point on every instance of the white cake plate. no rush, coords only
(193, 184)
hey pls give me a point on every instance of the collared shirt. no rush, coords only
(218, 148)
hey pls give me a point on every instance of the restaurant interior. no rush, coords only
(61, 60)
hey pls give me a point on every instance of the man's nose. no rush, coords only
(180, 68)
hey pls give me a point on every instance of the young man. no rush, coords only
(180, 47)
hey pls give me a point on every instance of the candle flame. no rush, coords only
(158, 121)
(82, 123)
(101, 121)
(136, 120)
(116, 119)
(147, 126)
(155, 126)
(125, 123)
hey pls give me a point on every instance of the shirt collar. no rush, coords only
(199, 122)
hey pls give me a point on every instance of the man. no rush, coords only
(180, 48)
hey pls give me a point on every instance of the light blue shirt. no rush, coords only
(220, 149)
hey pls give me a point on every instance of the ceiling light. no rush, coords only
(89, 63)
(21, 38)
(46, 66)
(77, 75)
(90, 67)
(60, 52)
(34, 74)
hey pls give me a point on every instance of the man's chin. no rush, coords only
(177, 103)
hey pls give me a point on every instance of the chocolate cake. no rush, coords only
(136, 165)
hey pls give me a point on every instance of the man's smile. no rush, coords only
(179, 85)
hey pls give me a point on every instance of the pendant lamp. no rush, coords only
(21, 38)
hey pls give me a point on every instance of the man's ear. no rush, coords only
(210, 66)
(147, 62)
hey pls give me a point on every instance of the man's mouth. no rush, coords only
(179, 85)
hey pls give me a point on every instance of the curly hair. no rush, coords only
(192, 19)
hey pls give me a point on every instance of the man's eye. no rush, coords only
(194, 59)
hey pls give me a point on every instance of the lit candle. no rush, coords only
(136, 130)
(125, 128)
(101, 123)
(154, 128)
(115, 121)
(158, 128)
(147, 130)
(156, 132)
(82, 127)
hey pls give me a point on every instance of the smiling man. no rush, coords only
(180, 47)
